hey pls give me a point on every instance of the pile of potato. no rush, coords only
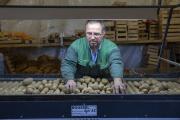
(7, 88)
(152, 86)
(85, 85)
(44, 86)
(43, 64)
(88, 85)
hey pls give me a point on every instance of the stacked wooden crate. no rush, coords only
(174, 28)
(110, 30)
(133, 30)
(153, 29)
(142, 31)
(121, 30)
(152, 52)
(170, 2)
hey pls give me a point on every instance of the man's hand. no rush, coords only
(71, 85)
(119, 86)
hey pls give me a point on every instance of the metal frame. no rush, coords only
(164, 42)
(108, 106)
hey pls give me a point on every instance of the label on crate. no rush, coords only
(84, 110)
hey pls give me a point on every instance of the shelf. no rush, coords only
(29, 45)
(68, 43)
(137, 41)
(143, 41)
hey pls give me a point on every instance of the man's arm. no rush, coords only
(68, 68)
(116, 70)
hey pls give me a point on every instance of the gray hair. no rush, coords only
(96, 21)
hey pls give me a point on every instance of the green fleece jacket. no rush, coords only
(79, 53)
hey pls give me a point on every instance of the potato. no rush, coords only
(104, 81)
(50, 81)
(135, 89)
(155, 90)
(92, 80)
(144, 90)
(33, 83)
(177, 91)
(136, 84)
(29, 90)
(98, 80)
(27, 81)
(61, 87)
(109, 89)
(129, 89)
(164, 85)
(95, 86)
(80, 87)
(77, 91)
(144, 86)
(54, 86)
(62, 93)
(45, 90)
(100, 86)
(85, 85)
(50, 92)
(159, 85)
(36, 91)
(65, 90)
(57, 91)
(81, 80)
(154, 81)
(107, 86)
(108, 92)
(78, 83)
(170, 91)
(37, 85)
(41, 86)
(163, 92)
(87, 90)
(44, 81)
(87, 80)
(48, 85)
(102, 92)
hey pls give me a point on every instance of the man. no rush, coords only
(93, 56)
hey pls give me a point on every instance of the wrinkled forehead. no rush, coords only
(94, 27)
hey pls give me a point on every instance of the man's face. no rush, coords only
(94, 34)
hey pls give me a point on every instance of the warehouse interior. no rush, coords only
(32, 48)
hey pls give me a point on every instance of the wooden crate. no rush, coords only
(121, 30)
(170, 2)
(153, 30)
(133, 30)
(152, 52)
(110, 35)
(110, 30)
(109, 23)
(174, 28)
(143, 36)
